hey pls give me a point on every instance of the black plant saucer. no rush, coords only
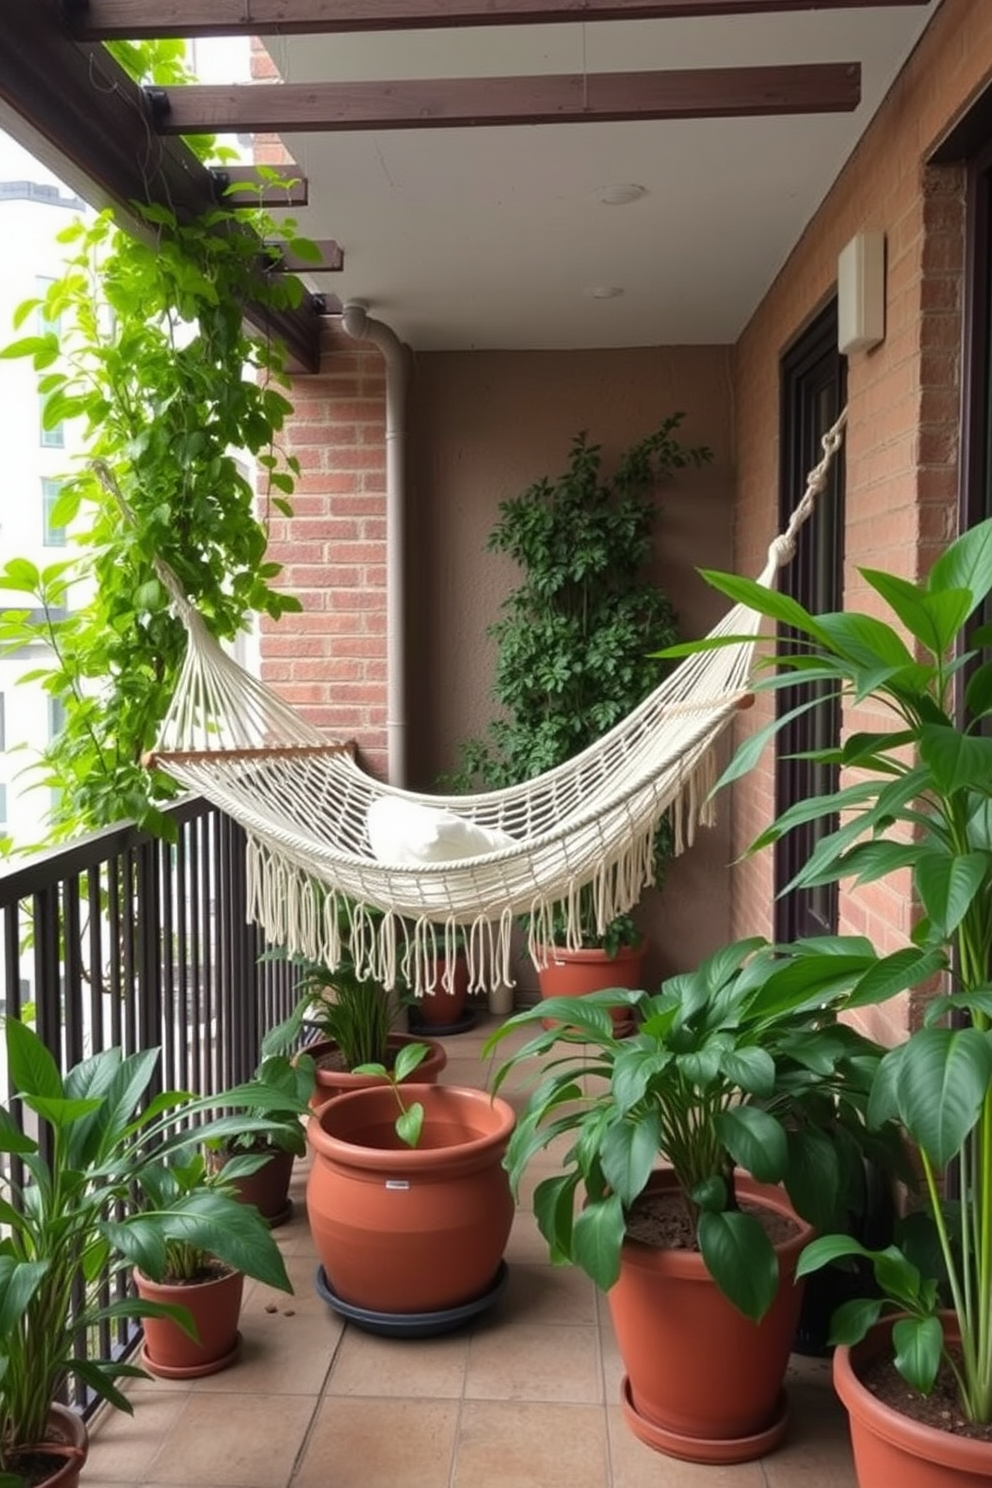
(414, 1324)
(461, 1024)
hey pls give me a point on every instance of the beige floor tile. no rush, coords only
(122, 1447)
(510, 1445)
(540, 1293)
(526, 1245)
(305, 1298)
(362, 1443)
(285, 1352)
(633, 1465)
(531, 1361)
(422, 1368)
(233, 1441)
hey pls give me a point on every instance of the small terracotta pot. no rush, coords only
(704, 1382)
(410, 1230)
(67, 1442)
(215, 1307)
(439, 1007)
(268, 1187)
(574, 973)
(331, 1082)
(892, 1450)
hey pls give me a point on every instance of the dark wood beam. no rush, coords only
(79, 112)
(134, 19)
(691, 93)
(331, 259)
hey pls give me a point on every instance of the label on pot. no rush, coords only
(397, 1183)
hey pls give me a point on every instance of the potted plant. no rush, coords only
(349, 1019)
(278, 1145)
(409, 1206)
(442, 1004)
(67, 1223)
(572, 652)
(919, 803)
(728, 1079)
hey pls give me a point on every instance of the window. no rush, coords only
(3, 726)
(53, 536)
(53, 438)
(56, 717)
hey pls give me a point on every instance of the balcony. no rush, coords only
(124, 939)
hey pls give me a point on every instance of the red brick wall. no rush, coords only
(330, 661)
(904, 396)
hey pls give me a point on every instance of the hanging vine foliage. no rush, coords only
(142, 339)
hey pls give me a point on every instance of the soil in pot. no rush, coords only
(60, 1466)
(334, 1077)
(900, 1437)
(214, 1301)
(704, 1383)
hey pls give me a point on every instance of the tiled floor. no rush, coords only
(526, 1398)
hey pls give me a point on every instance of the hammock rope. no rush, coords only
(317, 889)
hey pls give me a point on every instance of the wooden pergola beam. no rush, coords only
(107, 20)
(80, 113)
(690, 93)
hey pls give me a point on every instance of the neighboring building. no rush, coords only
(34, 208)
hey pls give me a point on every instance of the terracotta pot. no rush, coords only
(331, 1083)
(704, 1382)
(892, 1450)
(66, 1443)
(268, 1187)
(574, 973)
(439, 1007)
(410, 1230)
(215, 1307)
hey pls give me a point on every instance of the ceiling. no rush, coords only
(497, 237)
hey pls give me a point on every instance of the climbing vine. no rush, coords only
(142, 339)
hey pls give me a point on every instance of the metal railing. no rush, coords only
(123, 939)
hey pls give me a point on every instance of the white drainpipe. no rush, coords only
(358, 323)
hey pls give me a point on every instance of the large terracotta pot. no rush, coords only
(892, 1450)
(410, 1230)
(332, 1082)
(441, 1007)
(704, 1382)
(66, 1445)
(574, 973)
(215, 1307)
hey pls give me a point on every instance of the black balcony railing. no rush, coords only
(122, 939)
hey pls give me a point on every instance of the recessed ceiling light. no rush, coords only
(602, 291)
(621, 193)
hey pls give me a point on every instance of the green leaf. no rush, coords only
(948, 885)
(966, 564)
(813, 1175)
(597, 1237)
(740, 1258)
(628, 1153)
(942, 1078)
(978, 694)
(410, 1123)
(958, 761)
(408, 1058)
(33, 1071)
(893, 974)
(933, 617)
(755, 1140)
(851, 1321)
(918, 1345)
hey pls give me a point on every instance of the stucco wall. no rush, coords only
(904, 396)
(485, 426)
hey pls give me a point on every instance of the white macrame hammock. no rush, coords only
(314, 884)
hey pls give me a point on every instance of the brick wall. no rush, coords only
(330, 661)
(904, 397)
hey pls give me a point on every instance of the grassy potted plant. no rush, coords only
(349, 1020)
(68, 1223)
(572, 650)
(917, 803)
(729, 1080)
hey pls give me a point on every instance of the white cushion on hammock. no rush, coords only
(405, 832)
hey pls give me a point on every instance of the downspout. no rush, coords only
(358, 324)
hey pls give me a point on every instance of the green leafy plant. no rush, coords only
(574, 637)
(352, 1011)
(282, 1130)
(739, 1063)
(70, 1222)
(917, 802)
(143, 343)
(410, 1121)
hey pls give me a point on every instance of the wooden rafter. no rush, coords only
(79, 112)
(135, 19)
(242, 186)
(690, 93)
